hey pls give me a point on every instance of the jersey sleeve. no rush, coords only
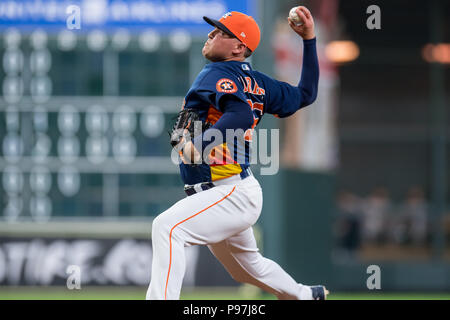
(217, 85)
(284, 99)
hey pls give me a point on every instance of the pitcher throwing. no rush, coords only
(224, 200)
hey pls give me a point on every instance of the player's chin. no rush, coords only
(207, 54)
(204, 51)
(212, 57)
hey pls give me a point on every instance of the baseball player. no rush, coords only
(224, 200)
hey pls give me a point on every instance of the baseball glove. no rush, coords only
(184, 126)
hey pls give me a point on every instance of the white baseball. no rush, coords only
(295, 17)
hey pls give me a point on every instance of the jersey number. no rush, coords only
(259, 108)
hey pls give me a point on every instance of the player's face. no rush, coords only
(219, 46)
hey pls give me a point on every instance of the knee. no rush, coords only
(163, 229)
(160, 228)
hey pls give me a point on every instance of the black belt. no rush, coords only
(193, 189)
(190, 190)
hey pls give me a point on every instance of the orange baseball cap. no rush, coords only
(239, 25)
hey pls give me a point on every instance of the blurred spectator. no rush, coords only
(415, 213)
(396, 227)
(348, 221)
(375, 211)
(408, 224)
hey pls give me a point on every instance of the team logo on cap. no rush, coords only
(226, 15)
(226, 85)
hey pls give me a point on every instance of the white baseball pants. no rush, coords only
(221, 218)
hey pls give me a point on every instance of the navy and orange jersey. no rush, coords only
(219, 82)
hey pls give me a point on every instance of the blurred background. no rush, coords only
(89, 89)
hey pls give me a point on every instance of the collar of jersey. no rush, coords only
(240, 63)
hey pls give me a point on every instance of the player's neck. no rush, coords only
(227, 60)
(238, 59)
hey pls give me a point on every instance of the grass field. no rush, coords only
(138, 293)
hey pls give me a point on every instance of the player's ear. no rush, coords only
(240, 48)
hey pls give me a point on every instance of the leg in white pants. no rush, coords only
(240, 257)
(222, 218)
(203, 218)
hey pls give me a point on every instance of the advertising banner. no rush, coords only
(160, 15)
(107, 261)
